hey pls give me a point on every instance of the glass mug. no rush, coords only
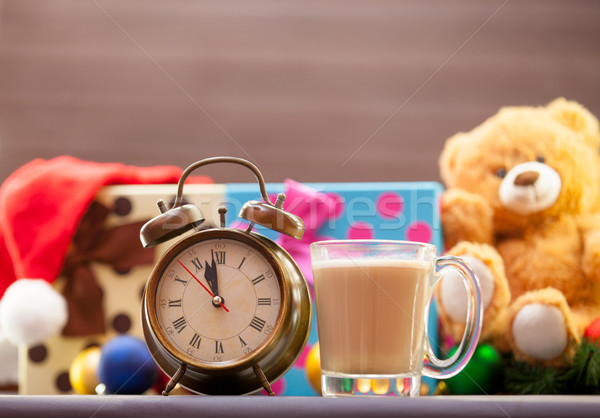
(372, 300)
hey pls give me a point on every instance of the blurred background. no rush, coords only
(314, 90)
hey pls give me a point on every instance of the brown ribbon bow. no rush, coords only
(118, 247)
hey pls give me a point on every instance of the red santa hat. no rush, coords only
(41, 205)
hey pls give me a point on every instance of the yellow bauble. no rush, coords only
(82, 373)
(313, 368)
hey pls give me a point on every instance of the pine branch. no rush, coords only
(523, 378)
(581, 376)
(584, 373)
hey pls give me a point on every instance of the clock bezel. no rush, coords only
(159, 271)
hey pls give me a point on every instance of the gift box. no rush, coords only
(389, 210)
(44, 368)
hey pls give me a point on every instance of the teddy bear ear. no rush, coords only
(577, 118)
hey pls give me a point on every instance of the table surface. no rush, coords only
(289, 407)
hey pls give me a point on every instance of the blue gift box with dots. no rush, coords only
(407, 211)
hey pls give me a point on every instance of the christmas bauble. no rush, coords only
(592, 332)
(82, 372)
(313, 368)
(126, 366)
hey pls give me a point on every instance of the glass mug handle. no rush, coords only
(443, 369)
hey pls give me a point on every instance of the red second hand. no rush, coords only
(205, 288)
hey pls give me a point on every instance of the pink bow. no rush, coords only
(315, 208)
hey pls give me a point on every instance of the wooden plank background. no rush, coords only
(315, 90)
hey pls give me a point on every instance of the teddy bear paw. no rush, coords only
(453, 295)
(540, 331)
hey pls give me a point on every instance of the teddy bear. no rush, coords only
(522, 207)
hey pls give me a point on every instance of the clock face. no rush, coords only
(217, 301)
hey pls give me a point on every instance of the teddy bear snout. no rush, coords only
(530, 188)
(527, 178)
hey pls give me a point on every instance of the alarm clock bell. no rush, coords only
(181, 218)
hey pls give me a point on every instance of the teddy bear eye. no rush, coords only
(541, 159)
(501, 172)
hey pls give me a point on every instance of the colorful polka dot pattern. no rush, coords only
(419, 231)
(389, 205)
(389, 208)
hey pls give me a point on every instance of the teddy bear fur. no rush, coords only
(522, 206)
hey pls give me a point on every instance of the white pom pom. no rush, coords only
(540, 331)
(31, 311)
(9, 364)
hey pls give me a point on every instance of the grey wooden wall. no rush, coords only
(315, 90)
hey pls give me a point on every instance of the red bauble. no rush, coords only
(592, 332)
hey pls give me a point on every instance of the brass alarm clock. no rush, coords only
(225, 311)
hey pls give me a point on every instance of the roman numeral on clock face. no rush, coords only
(218, 347)
(258, 279)
(242, 342)
(220, 257)
(177, 279)
(242, 263)
(179, 324)
(174, 303)
(198, 264)
(257, 323)
(264, 301)
(195, 341)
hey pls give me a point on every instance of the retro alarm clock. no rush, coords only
(225, 311)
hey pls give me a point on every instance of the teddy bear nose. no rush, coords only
(527, 178)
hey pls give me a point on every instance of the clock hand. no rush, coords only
(213, 267)
(204, 287)
(210, 278)
(210, 274)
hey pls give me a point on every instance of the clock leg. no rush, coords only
(263, 379)
(178, 375)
